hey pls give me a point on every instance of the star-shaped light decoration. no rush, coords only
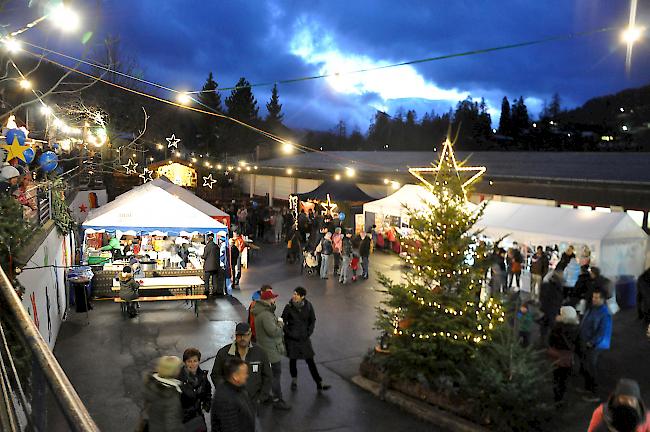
(15, 150)
(130, 167)
(172, 141)
(209, 181)
(83, 208)
(329, 207)
(146, 175)
(447, 164)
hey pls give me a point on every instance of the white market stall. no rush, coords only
(192, 200)
(617, 244)
(154, 214)
(392, 210)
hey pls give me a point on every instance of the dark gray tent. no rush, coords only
(338, 190)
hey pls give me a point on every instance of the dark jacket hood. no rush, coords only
(624, 387)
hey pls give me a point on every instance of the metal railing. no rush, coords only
(25, 384)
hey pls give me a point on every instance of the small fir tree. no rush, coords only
(274, 108)
(436, 318)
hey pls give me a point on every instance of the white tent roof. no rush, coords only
(540, 223)
(152, 207)
(188, 197)
(414, 196)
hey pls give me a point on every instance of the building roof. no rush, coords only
(617, 167)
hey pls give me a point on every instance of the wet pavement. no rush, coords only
(106, 357)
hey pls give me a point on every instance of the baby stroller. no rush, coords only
(309, 263)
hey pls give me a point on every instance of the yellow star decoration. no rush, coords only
(329, 207)
(447, 163)
(15, 150)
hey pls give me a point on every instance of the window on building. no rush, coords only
(566, 206)
(587, 208)
(603, 209)
(636, 215)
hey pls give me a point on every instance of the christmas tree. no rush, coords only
(436, 320)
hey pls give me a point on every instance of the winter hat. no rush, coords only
(568, 315)
(127, 269)
(8, 172)
(168, 366)
(268, 295)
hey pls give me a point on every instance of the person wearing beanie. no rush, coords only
(346, 257)
(562, 345)
(624, 411)
(129, 290)
(8, 179)
(162, 396)
(269, 332)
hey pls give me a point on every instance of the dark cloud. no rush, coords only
(178, 42)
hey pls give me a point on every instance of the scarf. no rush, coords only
(168, 382)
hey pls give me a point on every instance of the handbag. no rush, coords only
(612, 305)
(560, 358)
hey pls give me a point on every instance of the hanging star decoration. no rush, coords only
(146, 175)
(130, 167)
(209, 181)
(447, 163)
(329, 207)
(172, 141)
(15, 150)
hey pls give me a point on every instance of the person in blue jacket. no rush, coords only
(595, 337)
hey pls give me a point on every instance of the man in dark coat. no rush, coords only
(538, 269)
(258, 385)
(299, 322)
(550, 299)
(210, 264)
(232, 409)
(643, 299)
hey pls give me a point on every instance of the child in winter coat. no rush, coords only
(524, 323)
(129, 290)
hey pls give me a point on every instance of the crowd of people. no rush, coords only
(327, 247)
(246, 374)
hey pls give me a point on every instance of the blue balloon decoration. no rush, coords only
(29, 155)
(13, 133)
(341, 216)
(48, 161)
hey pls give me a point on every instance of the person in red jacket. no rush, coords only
(624, 411)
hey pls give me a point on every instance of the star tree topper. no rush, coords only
(209, 181)
(447, 164)
(130, 167)
(146, 175)
(172, 141)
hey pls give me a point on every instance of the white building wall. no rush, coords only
(307, 185)
(283, 187)
(45, 291)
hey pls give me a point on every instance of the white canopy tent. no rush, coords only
(414, 197)
(154, 206)
(618, 245)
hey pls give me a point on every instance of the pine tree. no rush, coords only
(274, 108)
(435, 319)
(209, 127)
(505, 126)
(519, 119)
(242, 106)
